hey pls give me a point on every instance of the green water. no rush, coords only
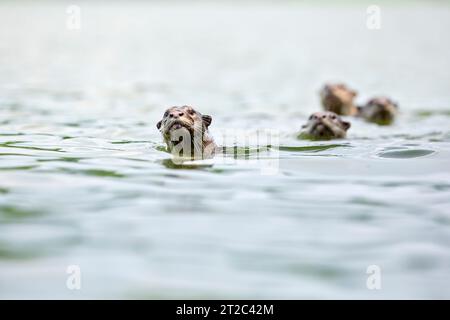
(85, 180)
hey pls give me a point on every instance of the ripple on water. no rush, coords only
(201, 164)
(18, 168)
(316, 148)
(94, 172)
(405, 154)
(429, 113)
(15, 212)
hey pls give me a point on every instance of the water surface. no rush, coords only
(84, 179)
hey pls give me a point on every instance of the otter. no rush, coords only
(324, 126)
(338, 98)
(185, 132)
(380, 110)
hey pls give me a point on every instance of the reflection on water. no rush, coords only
(85, 178)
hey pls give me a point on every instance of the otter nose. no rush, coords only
(176, 114)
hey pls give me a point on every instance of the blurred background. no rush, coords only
(85, 180)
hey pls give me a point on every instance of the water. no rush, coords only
(84, 179)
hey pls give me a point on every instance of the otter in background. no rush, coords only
(324, 126)
(380, 110)
(339, 98)
(185, 132)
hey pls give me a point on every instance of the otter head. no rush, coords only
(324, 126)
(185, 132)
(380, 110)
(338, 98)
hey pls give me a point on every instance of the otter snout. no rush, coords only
(176, 114)
(321, 130)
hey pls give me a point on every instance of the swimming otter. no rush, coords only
(338, 98)
(380, 110)
(324, 126)
(185, 132)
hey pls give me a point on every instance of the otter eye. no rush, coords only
(333, 117)
(166, 113)
(324, 116)
(311, 117)
(191, 111)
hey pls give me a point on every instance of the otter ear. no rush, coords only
(158, 125)
(206, 120)
(346, 125)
